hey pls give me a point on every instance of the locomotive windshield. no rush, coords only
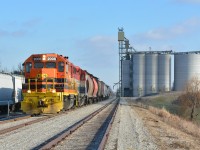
(38, 65)
(28, 67)
(61, 66)
(50, 65)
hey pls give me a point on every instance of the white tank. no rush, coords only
(138, 75)
(125, 77)
(151, 73)
(164, 72)
(186, 66)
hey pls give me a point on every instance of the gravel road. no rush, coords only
(31, 136)
(128, 131)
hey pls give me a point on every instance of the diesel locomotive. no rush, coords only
(54, 84)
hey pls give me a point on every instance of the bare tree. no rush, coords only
(20, 68)
(191, 96)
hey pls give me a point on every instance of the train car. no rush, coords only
(87, 87)
(99, 91)
(10, 91)
(53, 84)
(95, 90)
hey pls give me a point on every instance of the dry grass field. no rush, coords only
(169, 131)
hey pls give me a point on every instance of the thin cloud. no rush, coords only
(97, 53)
(16, 34)
(19, 29)
(100, 50)
(32, 23)
(184, 28)
(3, 33)
(97, 45)
(19, 33)
(188, 1)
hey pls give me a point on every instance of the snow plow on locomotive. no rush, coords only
(53, 84)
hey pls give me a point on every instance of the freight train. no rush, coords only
(54, 84)
(10, 91)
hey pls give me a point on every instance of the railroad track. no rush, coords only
(90, 132)
(27, 123)
(18, 126)
(30, 137)
(13, 118)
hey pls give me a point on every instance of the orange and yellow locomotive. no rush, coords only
(53, 84)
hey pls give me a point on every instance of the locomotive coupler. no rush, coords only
(41, 103)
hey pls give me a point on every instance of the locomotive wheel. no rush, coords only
(68, 102)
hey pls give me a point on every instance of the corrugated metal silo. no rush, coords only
(151, 73)
(138, 75)
(125, 78)
(186, 66)
(164, 72)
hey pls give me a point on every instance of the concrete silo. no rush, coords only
(151, 73)
(186, 66)
(126, 78)
(138, 74)
(164, 72)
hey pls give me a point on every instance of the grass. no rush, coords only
(177, 122)
(168, 102)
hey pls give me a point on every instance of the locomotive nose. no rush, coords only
(42, 75)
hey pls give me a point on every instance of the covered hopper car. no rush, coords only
(53, 84)
(10, 91)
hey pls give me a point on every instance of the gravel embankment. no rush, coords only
(18, 122)
(31, 136)
(128, 131)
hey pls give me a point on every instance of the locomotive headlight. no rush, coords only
(53, 91)
(43, 57)
(29, 91)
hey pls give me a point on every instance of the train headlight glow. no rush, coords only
(43, 57)
(53, 91)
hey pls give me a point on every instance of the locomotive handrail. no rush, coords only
(29, 84)
(46, 79)
(53, 83)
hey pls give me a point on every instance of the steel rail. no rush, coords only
(14, 119)
(75, 126)
(106, 134)
(3, 131)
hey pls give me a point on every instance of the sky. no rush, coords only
(86, 30)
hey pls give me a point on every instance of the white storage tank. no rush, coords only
(125, 78)
(138, 74)
(151, 73)
(164, 72)
(186, 66)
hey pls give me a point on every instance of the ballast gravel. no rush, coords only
(30, 137)
(18, 122)
(128, 131)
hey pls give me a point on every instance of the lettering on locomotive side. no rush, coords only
(51, 58)
(37, 58)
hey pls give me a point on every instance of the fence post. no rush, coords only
(8, 109)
